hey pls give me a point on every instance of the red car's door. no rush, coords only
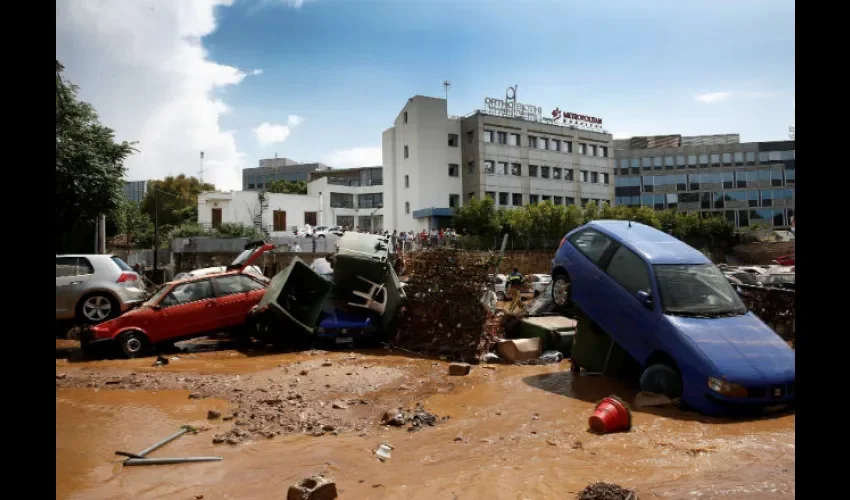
(237, 294)
(189, 309)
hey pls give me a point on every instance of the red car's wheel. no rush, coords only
(133, 343)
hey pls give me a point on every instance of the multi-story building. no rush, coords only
(352, 197)
(434, 162)
(135, 190)
(749, 182)
(278, 169)
(273, 213)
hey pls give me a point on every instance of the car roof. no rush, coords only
(206, 276)
(655, 246)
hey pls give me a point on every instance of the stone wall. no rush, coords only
(527, 261)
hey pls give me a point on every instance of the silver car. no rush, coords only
(94, 288)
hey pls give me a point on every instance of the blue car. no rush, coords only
(675, 313)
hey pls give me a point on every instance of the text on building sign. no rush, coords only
(557, 114)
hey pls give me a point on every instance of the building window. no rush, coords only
(470, 136)
(406, 181)
(453, 140)
(532, 170)
(568, 174)
(470, 168)
(406, 151)
(705, 200)
(624, 164)
(516, 199)
(605, 179)
(657, 163)
(593, 150)
(753, 198)
(603, 151)
(342, 200)
(488, 136)
(544, 172)
(594, 178)
(635, 162)
(582, 148)
(533, 199)
(407, 207)
(557, 200)
(715, 159)
(566, 146)
(454, 170)
(532, 142)
(728, 180)
(718, 199)
(502, 137)
(790, 177)
(739, 158)
(764, 157)
(680, 161)
(692, 161)
(544, 198)
(513, 140)
(766, 198)
(585, 201)
(371, 200)
(503, 199)
(310, 218)
(454, 200)
(405, 117)
(776, 177)
(583, 174)
(669, 163)
(646, 163)
(703, 161)
(554, 145)
(502, 168)
(556, 173)
(489, 167)
(672, 200)
(490, 194)
(569, 200)
(750, 158)
(727, 158)
(516, 169)
(250, 186)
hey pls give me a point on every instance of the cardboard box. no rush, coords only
(520, 349)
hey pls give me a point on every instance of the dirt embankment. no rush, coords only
(316, 396)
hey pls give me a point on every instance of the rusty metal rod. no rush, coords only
(167, 461)
(165, 441)
(128, 454)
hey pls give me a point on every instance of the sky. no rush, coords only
(319, 80)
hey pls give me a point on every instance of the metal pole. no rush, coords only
(155, 233)
(101, 231)
(164, 442)
(167, 461)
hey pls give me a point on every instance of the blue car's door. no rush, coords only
(629, 321)
(590, 248)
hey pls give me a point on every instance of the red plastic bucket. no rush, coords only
(611, 415)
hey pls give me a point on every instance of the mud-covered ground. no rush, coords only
(501, 431)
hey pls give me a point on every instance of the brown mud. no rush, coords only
(513, 432)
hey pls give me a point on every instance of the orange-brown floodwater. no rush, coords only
(516, 432)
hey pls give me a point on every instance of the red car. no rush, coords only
(785, 260)
(186, 308)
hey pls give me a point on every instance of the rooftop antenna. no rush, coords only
(446, 85)
(201, 171)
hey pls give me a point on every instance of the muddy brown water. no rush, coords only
(513, 433)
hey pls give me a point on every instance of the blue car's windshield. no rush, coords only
(696, 290)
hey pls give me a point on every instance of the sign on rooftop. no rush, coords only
(510, 108)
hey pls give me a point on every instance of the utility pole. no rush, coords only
(156, 231)
(201, 171)
(101, 235)
(446, 85)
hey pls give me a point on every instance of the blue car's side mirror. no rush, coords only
(645, 298)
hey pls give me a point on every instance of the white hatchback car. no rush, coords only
(539, 282)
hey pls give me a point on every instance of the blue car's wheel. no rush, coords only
(661, 379)
(562, 291)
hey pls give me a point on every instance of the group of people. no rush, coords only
(436, 237)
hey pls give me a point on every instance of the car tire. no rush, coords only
(561, 283)
(661, 379)
(133, 344)
(321, 236)
(97, 308)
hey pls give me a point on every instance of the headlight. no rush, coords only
(727, 388)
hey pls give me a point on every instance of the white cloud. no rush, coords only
(713, 97)
(368, 156)
(144, 68)
(257, 72)
(268, 134)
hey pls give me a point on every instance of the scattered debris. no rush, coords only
(213, 414)
(383, 451)
(459, 369)
(417, 417)
(140, 458)
(519, 349)
(547, 358)
(196, 395)
(490, 357)
(651, 399)
(393, 417)
(61, 376)
(315, 487)
(160, 361)
(339, 405)
(606, 491)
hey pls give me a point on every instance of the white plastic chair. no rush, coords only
(370, 296)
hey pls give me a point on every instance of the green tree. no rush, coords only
(134, 224)
(178, 200)
(287, 187)
(89, 168)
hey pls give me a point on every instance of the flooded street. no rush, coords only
(513, 432)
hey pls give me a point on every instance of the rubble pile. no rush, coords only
(774, 306)
(444, 315)
(417, 418)
(606, 491)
